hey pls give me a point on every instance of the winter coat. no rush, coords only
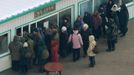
(116, 18)
(88, 19)
(30, 53)
(85, 35)
(78, 24)
(108, 9)
(14, 48)
(54, 46)
(68, 26)
(63, 40)
(23, 57)
(91, 46)
(76, 39)
(97, 20)
(123, 16)
(112, 30)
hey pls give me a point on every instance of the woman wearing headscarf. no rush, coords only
(14, 48)
(63, 42)
(114, 14)
(86, 31)
(23, 59)
(55, 42)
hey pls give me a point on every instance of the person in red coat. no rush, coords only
(55, 44)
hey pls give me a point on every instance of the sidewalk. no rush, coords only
(119, 62)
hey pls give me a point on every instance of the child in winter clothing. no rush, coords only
(90, 53)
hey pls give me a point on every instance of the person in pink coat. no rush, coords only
(77, 43)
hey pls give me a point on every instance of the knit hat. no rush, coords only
(63, 28)
(25, 44)
(115, 8)
(85, 26)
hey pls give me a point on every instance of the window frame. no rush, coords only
(8, 32)
(130, 3)
(80, 3)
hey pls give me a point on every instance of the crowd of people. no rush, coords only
(49, 44)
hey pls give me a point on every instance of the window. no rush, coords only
(63, 14)
(86, 7)
(50, 20)
(26, 29)
(18, 32)
(97, 3)
(3, 43)
(32, 27)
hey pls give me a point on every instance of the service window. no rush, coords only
(65, 13)
(97, 3)
(86, 7)
(32, 27)
(47, 21)
(18, 32)
(3, 43)
(26, 29)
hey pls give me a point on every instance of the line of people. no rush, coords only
(47, 45)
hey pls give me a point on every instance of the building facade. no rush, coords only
(44, 16)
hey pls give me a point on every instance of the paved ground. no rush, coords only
(119, 62)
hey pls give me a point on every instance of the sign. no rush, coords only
(44, 10)
(46, 24)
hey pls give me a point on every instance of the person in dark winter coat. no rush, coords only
(85, 34)
(30, 53)
(114, 14)
(111, 35)
(79, 23)
(39, 46)
(48, 38)
(102, 11)
(63, 42)
(67, 24)
(108, 8)
(88, 19)
(23, 59)
(123, 19)
(14, 48)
